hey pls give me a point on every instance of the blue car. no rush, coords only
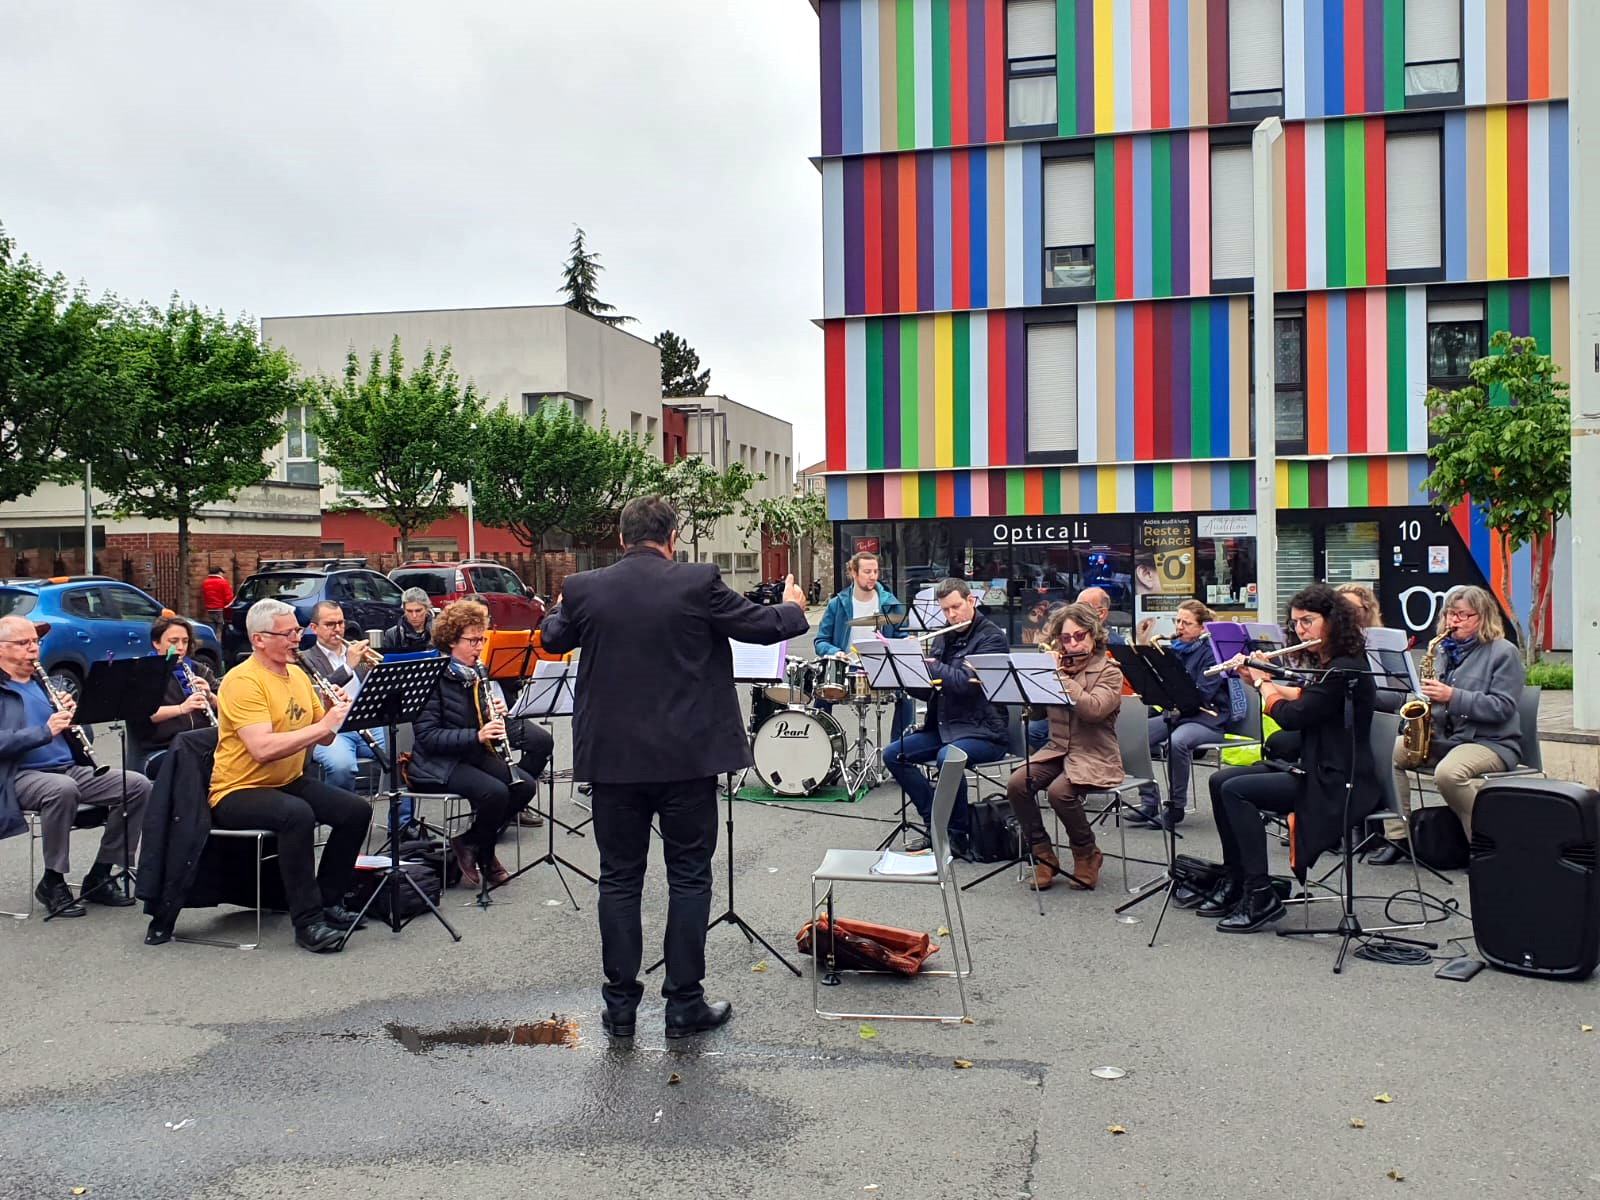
(369, 600)
(93, 618)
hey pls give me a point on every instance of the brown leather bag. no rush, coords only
(863, 946)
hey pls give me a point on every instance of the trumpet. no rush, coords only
(938, 633)
(330, 694)
(74, 735)
(370, 657)
(1243, 660)
(190, 683)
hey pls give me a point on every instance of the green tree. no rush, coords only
(54, 394)
(702, 495)
(1505, 444)
(785, 520)
(198, 403)
(680, 367)
(403, 441)
(580, 281)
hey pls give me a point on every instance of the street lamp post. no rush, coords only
(1265, 375)
(1583, 35)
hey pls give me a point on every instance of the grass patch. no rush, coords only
(1553, 677)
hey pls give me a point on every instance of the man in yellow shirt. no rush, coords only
(268, 717)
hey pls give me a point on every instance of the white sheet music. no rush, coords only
(550, 692)
(1388, 650)
(924, 612)
(1019, 678)
(753, 662)
(883, 659)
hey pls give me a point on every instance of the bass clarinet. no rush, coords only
(74, 734)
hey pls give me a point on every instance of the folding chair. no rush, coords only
(35, 835)
(855, 866)
(1133, 739)
(260, 837)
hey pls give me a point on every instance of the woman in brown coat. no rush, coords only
(1081, 754)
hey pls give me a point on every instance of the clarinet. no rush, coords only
(74, 735)
(330, 694)
(190, 679)
(491, 708)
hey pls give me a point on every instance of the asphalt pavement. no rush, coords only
(1251, 1070)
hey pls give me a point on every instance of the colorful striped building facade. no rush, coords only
(1038, 264)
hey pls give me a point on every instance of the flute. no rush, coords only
(1243, 660)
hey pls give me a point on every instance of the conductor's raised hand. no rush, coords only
(792, 592)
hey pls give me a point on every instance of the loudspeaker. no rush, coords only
(1534, 885)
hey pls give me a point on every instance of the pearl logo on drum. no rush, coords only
(783, 730)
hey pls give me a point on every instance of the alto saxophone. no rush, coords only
(1417, 715)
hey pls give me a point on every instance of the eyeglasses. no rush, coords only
(1081, 636)
(330, 624)
(21, 641)
(1304, 622)
(477, 641)
(282, 633)
(1459, 614)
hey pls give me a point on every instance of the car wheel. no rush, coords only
(67, 681)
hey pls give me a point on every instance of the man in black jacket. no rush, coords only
(655, 721)
(959, 714)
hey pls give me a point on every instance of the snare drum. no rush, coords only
(798, 750)
(798, 679)
(861, 691)
(833, 679)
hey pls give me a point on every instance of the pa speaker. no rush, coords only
(1534, 885)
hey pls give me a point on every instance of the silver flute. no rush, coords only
(1243, 660)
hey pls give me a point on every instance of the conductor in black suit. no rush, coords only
(656, 719)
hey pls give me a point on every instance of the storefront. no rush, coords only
(1150, 563)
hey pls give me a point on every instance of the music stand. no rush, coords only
(1228, 639)
(897, 665)
(550, 693)
(752, 663)
(1266, 635)
(125, 690)
(392, 694)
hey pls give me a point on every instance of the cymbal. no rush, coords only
(874, 621)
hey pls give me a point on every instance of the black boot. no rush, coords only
(1260, 907)
(1224, 898)
(100, 887)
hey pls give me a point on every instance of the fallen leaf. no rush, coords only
(1115, 1129)
(1357, 1123)
(674, 1078)
(866, 1032)
(760, 966)
(963, 1063)
(1396, 1176)
(1384, 1098)
(1585, 1028)
(942, 932)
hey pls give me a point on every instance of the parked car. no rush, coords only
(770, 592)
(511, 604)
(367, 597)
(93, 618)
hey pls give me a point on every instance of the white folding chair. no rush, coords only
(1133, 740)
(855, 866)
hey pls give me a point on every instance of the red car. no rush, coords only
(511, 605)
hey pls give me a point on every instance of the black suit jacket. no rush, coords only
(656, 700)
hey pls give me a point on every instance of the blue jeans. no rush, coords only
(1038, 733)
(901, 757)
(338, 762)
(1181, 743)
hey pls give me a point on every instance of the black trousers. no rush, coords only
(534, 740)
(293, 812)
(687, 811)
(496, 794)
(1239, 795)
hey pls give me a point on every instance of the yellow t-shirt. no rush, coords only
(252, 695)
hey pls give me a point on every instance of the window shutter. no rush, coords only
(1069, 202)
(1232, 213)
(1454, 310)
(1052, 387)
(1255, 45)
(1433, 30)
(1411, 195)
(1031, 29)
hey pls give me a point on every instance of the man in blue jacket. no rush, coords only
(864, 597)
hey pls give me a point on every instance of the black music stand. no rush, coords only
(891, 668)
(391, 695)
(550, 694)
(125, 690)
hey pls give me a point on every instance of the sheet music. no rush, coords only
(883, 659)
(1041, 683)
(1228, 638)
(1266, 634)
(753, 662)
(924, 613)
(550, 692)
(1388, 651)
(996, 679)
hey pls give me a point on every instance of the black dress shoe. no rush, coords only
(1223, 900)
(1184, 896)
(617, 1025)
(341, 917)
(57, 897)
(699, 1019)
(102, 887)
(1388, 854)
(1261, 906)
(319, 937)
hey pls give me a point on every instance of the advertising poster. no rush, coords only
(1163, 566)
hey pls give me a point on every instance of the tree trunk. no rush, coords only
(1544, 554)
(183, 601)
(1507, 596)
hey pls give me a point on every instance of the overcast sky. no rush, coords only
(335, 156)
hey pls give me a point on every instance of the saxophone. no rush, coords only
(1417, 715)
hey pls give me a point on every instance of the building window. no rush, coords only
(1052, 393)
(744, 562)
(300, 457)
(723, 560)
(1255, 56)
(577, 405)
(1433, 50)
(1289, 381)
(1068, 223)
(1031, 63)
(1412, 201)
(1232, 214)
(1455, 341)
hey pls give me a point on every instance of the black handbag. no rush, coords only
(1437, 838)
(996, 835)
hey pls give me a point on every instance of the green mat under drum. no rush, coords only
(834, 794)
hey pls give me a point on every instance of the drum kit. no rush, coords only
(800, 748)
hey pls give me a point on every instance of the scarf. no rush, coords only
(1456, 651)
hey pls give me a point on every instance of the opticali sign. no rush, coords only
(1045, 533)
(1225, 525)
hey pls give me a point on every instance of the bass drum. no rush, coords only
(798, 750)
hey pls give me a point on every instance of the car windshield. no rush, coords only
(16, 603)
(279, 587)
(435, 583)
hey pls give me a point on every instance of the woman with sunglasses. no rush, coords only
(1181, 733)
(1332, 713)
(460, 744)
(1081, 753)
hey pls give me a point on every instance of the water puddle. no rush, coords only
(556, 1031)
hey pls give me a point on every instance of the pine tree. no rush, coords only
(580, 281)
(680, 367)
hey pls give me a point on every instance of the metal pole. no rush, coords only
(1265, 374)
(88, 520)
(1583, 109)
(472, 526)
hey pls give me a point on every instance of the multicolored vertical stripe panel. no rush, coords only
(924, 74)
(1379, 482)
(1153, 216)
(1504, 198)
(1366, 371)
